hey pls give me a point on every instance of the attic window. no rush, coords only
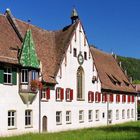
(112, 79)
(126, 83)
(74, 52)
(116, 80)
(85, 55)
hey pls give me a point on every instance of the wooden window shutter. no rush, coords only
(89, 96)
(99, 97)
(132, 99)
(48, 93)
(112, 98)
(1, 74)
(71, 94)
(62, 93)
(128, 98)
(118, 98)
(92, 96)
(14, 76)
(67, 90)
(124, 98)
(56, 93)
(105, 97)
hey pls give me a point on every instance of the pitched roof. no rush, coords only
(28, 56)
(50, 45)
(111, 75)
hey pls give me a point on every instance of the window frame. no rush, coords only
(28, 118)
(81, 116)
(11, 118)
(24, 77)
(68, 117)
(90, 115)
(7, 74)
(96, 115)
(123, 114)
(59, 117)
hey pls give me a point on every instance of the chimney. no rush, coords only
(120, 64)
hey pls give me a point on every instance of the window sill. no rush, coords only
(80, 99)
(44, 100)
(67, 100)
(81, 121)
(8, 84)
(58, 100)
(68, 122)
(97, 120)
(12, 128)
(30, 126)
(90, 121)
(59, 124)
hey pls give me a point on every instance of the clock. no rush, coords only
(80, 58)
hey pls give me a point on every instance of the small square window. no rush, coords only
(74, 52)
(90, 115)
(85, 55)
(68, 117)
(58, 117)
(97, 115)
(81, 116)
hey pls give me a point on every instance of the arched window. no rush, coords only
(80, 83)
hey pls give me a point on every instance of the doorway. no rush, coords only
(44, 124)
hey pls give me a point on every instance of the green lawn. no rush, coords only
(127, 131)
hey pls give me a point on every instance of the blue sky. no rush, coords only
(111, 25)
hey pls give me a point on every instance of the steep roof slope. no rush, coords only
(50, 45)
(8, 42)
(110, 74)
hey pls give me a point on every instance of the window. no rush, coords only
(133, 99)
(69, 94)
(111, 99)
(132, 113)
(45, 94)
(90, 96)
(97, 97)
(85, 55)
(97, 115)
(128, 113)
(24, 76)
(68, 117)
(117, 114)
(80, 83)
(33, 74)
(103, 115)
(7, 75)
(123, 98)
(90, 115)
(74, 52)
(104, 97)
(28, 118)
(59, 94)
(11, 119)
(123, 114)
(117, 98)
(58, 117)
(109, 114)
(81, 116)
(128, 98)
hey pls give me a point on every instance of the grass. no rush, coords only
(126, 131)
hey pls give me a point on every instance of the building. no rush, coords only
(54, 81)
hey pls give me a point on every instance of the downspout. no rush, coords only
(107, 107)
(136, 113)
(39, 110)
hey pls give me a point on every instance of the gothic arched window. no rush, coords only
(80, 83)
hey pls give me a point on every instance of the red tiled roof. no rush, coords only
(109, 72)
(50, 45)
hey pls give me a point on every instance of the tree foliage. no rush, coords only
(132, 65)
